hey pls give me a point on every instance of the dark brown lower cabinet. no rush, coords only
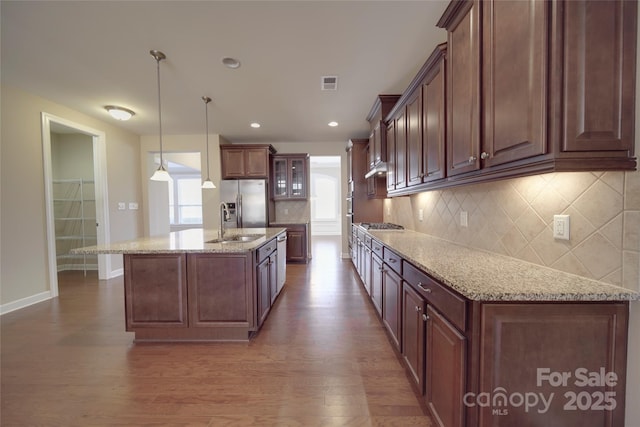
(297, 246)
(376, 282)
(413, 334)
(446, 362)
(392, 305)
(573, 355)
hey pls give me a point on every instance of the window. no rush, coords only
(185, 200)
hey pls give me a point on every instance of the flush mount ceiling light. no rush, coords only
(333, 124)
(255, 125)
(161, 173)
(231, 63)
(119, 113)
(207, 184)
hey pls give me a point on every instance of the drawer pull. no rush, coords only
(393, 260)
(421, 286)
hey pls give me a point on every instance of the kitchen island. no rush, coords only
(490, 340)
(192, 285)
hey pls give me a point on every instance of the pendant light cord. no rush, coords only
(206, 119)
(159, 112)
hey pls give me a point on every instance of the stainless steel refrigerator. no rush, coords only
(247, 202)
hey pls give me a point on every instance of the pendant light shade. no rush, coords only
(161, 173)
(207, 184)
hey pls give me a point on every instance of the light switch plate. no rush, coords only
(122, 206)
(420, 214)
(133, 206)
(561, 227)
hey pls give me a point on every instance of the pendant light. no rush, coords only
(161, 173)
(207, 184)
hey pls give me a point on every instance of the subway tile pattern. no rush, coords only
(515, 218)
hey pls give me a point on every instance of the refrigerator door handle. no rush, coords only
(239, 211)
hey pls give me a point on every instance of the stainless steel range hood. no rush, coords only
(379, 169)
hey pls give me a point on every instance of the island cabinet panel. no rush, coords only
(515, 52)
(446, 362)
(576, 341)
(597, 51)
(155, 291)
(220, 292)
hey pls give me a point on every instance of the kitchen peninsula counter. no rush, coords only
(182, 287)
(485, 276)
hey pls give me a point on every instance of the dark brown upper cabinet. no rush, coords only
(536, 86)
(245, 161)
(378, 135)
(417, 154)
(290, 177)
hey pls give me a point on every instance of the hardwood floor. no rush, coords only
(321, 359)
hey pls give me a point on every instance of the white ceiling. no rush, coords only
(88, 54)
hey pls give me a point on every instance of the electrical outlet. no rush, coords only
(420, 214)
(464, 219)
(561, 227)
(133, 206)
(122, 206)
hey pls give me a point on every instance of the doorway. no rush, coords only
(75, 195)
(326, 209)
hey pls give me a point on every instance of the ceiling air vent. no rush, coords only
(329, 82)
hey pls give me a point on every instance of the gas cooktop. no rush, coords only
(381, 226)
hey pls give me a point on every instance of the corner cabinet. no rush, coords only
(290, 177)
(564, 103)
(245, 160)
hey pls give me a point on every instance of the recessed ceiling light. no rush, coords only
(119, 113)
(333, 124)
(255, 125)
(231, 63)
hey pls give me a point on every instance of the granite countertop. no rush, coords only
(192, 240)
(485, 276)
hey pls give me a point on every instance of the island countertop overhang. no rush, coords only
(186, 241)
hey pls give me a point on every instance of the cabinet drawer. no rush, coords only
(376, 247)
(393, 260)
(367, 240)
(265, 250)
(452, 306)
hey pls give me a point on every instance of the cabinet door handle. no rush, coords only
(418, 308)
(381, 269)
(472, 159)
(484, 155)
(421, 286)
(425, 317)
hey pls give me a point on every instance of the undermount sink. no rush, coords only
(237, 238)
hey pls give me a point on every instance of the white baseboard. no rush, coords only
(116, 273)
(24, 302)
(345, 255)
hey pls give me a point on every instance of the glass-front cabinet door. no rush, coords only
(290, 176)
(280, 177)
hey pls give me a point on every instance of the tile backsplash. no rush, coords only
(292, 211)
(514, 217)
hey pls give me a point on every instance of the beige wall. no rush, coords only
(24, 270)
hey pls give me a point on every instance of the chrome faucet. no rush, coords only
(224, 211)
